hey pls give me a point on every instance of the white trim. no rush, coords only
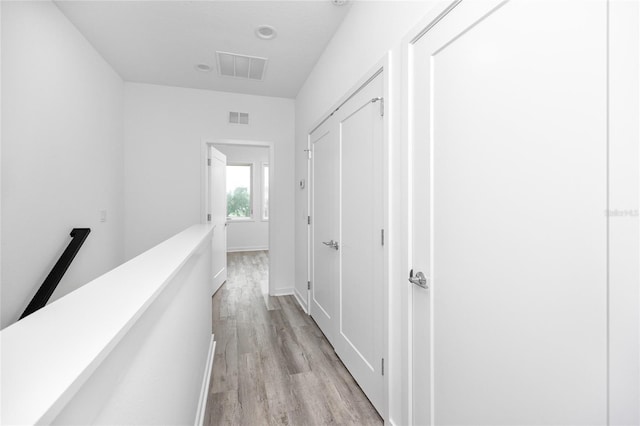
(300, 299)
(241, 249)
(381, 67)
(204, 188)
(263, 164)
(283, 292)
(417, 32)
(218, 273)
(204, 391)
(219, 278)
(362, 82)
(387, 158)
(309, 242)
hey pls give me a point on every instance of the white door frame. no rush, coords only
(426, 23)
(204, 185)
(381, 67)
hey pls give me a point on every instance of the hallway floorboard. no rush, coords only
(272, 363)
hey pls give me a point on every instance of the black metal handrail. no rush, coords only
(53, 279)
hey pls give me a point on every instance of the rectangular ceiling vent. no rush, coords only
(241, 66)
(238, 117)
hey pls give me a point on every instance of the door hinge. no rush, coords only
(382, 236)
(308, 285)
(308, 151)
(382, 369)
(308, 220)
(209, 217)
(208, 161)
(381, 105)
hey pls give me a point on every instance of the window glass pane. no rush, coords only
(265, 192)
(239, 191)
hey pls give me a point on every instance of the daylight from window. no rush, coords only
(239, 191)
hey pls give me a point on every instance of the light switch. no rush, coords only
(103, 215)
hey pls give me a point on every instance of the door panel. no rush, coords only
(509, 104)
(218, 209)
(361, 326)
(347, 297)
(324, 211)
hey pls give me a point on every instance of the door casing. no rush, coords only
(205, 193)
(381, 67)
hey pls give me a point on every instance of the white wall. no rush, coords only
(164, 130)
(154, 374)
(61, 153)
(370, 30)
(138, 354)
(244, 235)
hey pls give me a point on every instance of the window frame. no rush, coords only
(251, 217)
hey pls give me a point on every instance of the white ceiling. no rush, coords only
(160, 42)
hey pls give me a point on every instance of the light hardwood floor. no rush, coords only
(272, 363)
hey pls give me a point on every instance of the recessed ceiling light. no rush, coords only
(266, 32)
(203, 67)
(338, 2)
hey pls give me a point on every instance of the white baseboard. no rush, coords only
(283, 292)
(204, 392)
(219, 279)
(301, 300)
(239, 249)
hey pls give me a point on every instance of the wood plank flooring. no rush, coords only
(272, 363)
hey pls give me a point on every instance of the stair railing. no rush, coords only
(50, 283)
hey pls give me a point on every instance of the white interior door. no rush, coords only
(218, 209)
(360, 337)
(509, 140)
(347, 221)
(324, 228)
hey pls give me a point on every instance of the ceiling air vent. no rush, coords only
(238, 117)
(241, 66)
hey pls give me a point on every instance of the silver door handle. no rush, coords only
(419, 279)
(331, 243)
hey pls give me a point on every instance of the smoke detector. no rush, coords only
(203, 67)
(241, 66)
(266, 32)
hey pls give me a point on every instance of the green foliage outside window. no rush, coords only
(238, 203)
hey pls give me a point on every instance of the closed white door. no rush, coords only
(324, 229)
(218, 209)
(360, 336)
(347, 221)
(509, 190)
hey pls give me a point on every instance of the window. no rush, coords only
(265, 192)
(239, 191)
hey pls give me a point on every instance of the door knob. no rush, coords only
(331, 243)
(419, 279)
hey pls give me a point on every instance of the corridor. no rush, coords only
(272, 364)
